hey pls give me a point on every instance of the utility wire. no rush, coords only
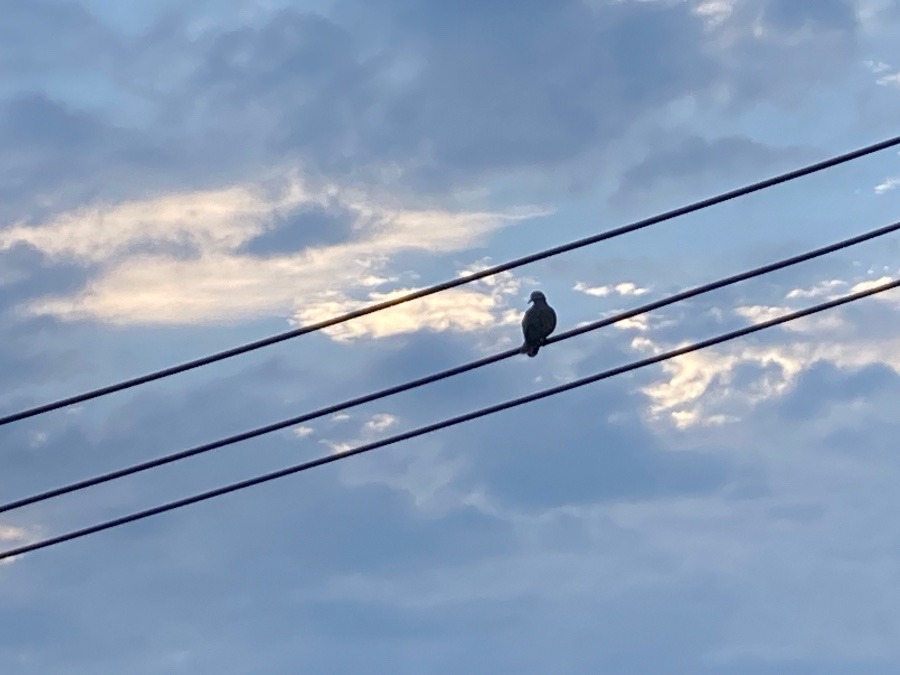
(452, 283)
(390, 391)
(453, 421)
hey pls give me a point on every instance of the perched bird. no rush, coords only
(538, 322)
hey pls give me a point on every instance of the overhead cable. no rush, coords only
(452, 283)
(397, 389)
(453, 421)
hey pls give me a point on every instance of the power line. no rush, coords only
(453, 421)
(452, 283)
(390, 391)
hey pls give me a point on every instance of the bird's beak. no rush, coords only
(530, 301)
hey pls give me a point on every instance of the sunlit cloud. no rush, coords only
(454, 310)
(13, 536)
(625, 289)
(696, 387)
(820, 290)
(762, 313)
(891, 296)
(136, 283)
(701, 389)
(208, 221)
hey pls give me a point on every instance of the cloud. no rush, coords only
(629, 289)
(380, 92)
(213, 277)
(696, 159)
(625, 288)
(827, 15)
(10, 534)
(892, 295)
(591, 516)
(596, 291)
(640, 323)
(887, 185)
(207, 221)
(885, 78)
(731, 380)
(822, 289)
(762, 313)
(714, 12)
(877, 67)
(459, 310)
(380, 423)
(12, 537)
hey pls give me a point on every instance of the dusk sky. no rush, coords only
(178, 178)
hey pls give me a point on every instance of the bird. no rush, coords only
(539, 321)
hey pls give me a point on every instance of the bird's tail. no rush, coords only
(531, 350)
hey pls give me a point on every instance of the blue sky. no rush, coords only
(177, 181)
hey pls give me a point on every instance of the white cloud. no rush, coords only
(640, 322)
(596, 291)
(628, 288)
(8, 533)
(822, 289)
(625, 288)
(337, 448)
(688, 392)
(303, 431)
(887, 185)
(13, 536)
(457, 309)
(877, 66)
(212, 221)
(761, 313)
(714, 12)
(699, 389)
(892, 80)
(137, 285)
(380, 423)
(698, 386)
(891, 296)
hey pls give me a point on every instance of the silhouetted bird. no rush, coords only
(538, 322)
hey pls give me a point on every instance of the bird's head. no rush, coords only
(537, 296)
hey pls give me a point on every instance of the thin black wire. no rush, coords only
(390, 391)
(453, 421)
(452, 283)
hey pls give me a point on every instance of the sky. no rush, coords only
(180, 178)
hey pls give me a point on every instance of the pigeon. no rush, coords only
(538, 322)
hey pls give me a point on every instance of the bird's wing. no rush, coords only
(532, 327)
(550, 320)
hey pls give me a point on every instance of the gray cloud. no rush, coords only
(446, 97)
(456, 94)
(790, 16)
(695, 160)
(314, 226)
(44, 39)
(779, 51)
